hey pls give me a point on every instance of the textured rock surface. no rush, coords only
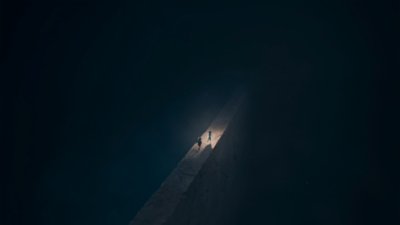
(162, 205)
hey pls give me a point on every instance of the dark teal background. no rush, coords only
(100, 100)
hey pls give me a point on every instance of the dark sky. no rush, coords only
(100, 99)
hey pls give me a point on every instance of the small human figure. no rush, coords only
(209, 135)
(199, 142)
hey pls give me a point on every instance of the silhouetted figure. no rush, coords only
(199, 142)
(209, 135)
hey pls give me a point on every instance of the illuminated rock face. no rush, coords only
(161, 207)
(214, 197)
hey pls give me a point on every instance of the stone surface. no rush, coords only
(161, 206)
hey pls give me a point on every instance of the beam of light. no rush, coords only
(216, 134)
(218, 126)
(161, 205)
